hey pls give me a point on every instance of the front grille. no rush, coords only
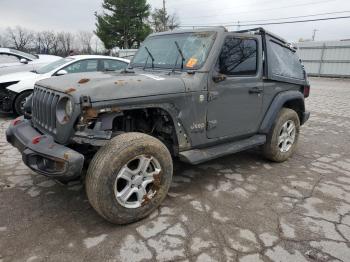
(44, 104)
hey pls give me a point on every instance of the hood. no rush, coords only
(18, 77)
(109, 86)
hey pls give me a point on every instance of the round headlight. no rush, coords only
(69, 108)
(64, 110)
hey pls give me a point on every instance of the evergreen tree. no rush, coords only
(123, 23)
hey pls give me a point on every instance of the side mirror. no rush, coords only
(217, 78)
(23, 61)
(61, 73)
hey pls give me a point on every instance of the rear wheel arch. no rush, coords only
(297, 105)
(289, 99)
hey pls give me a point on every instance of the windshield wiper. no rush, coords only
(149, 56)
(183, 59)
(34, 71)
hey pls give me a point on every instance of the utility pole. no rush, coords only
(238, 26)
(314, 34)
(164, 15)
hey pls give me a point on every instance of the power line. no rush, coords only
(301, 16)
(235, 7)
(281, 18)
(267, 9)
(164, 15)
(298, 21)
(280, 23)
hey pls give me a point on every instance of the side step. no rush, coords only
(197, 156)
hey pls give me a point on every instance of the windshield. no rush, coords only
(194, 46)
(30, 56)
(48, 68)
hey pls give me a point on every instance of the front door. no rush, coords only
(236, 91)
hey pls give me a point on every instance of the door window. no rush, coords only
(82, 66)
(6, 58)
(238, 57)
(113, 65)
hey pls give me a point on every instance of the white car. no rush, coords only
(12, 61)
(15, 88)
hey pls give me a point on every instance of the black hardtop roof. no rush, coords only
(262, 31)
(258, 30)
(202, 29)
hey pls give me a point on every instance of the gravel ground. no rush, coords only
(237, 208)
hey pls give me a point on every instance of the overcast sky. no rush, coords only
(75, 15)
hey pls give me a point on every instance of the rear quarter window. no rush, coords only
(285, 62)
(113, 65)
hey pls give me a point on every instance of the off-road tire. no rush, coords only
(105, 166)
(17, 103)
(271, 150)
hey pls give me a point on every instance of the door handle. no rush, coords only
(256, 90)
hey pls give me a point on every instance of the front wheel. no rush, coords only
(18, 106)
(129, 177)
(283, 137)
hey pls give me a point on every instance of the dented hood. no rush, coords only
(102, 86)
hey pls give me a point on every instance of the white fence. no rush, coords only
(330, 58)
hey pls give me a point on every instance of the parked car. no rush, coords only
(16, 87)
(12, 61)
(194, 95)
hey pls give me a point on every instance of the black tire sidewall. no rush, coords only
(271, 149)
(17, 102)
(114, 159)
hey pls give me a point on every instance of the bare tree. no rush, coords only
(65, 41)
(47, 41)
(56, 48)
(20, 38)
(51, 42)
(173, 21)
(85, 39)
(3, 40)
(161, 21)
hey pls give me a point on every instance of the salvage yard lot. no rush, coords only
(237, 208)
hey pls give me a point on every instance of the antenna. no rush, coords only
(164, 16)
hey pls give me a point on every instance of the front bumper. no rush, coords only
(42, 154)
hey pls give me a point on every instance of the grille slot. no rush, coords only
(44, 109)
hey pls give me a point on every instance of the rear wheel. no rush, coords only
(129, 177)
(283, 137)
(20, 100)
